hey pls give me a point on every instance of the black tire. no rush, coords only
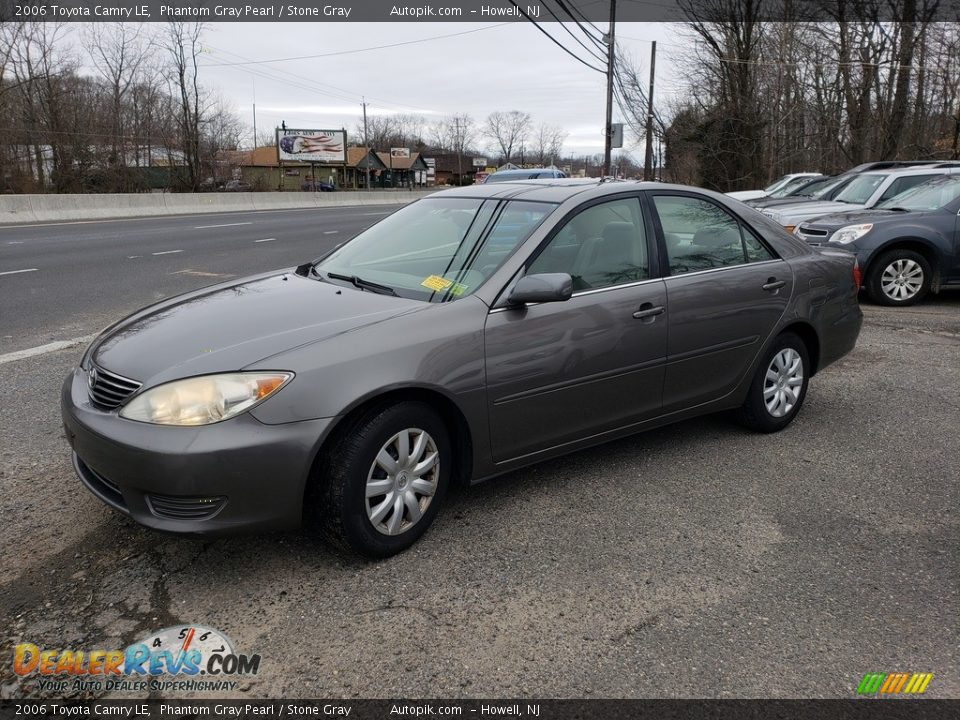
(888, 259)
(338, 503)
(754, 413)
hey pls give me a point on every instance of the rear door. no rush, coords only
(726, 290)
(558, 372)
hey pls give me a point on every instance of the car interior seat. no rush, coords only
(613, 257)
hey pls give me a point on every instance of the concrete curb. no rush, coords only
(22, 209)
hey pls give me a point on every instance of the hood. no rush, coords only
(857, 217)
(746, 194)
(228, 327)
(788, 214)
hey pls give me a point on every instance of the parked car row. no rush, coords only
(900, 218)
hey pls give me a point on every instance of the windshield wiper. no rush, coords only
(897, 209)
(362, 284)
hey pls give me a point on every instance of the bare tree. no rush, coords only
(507, 131)
(455, 134)
(547, 143)
(182, 45)
(119, 52)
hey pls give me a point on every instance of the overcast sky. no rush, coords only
(507, 67)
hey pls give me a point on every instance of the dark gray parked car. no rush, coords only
(907, 246)
(467, 335)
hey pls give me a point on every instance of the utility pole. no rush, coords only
(611, 57)
(366, 159)
(254, 114)
(648, 158)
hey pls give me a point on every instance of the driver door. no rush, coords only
(562, 371)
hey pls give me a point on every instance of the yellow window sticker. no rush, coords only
(435, 282)
(458, 289)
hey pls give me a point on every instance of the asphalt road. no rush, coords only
(60, 281)
(697, 560)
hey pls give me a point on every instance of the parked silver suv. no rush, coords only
(863, 192)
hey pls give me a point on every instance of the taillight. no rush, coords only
(857, 276)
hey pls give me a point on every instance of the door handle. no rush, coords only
(773, 284)
(647, 310)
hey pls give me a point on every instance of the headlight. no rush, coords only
(846, 235)
(204, 400)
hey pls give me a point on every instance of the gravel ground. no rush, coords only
(697, 560)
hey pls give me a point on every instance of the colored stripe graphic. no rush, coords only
(871, 683)
(894, 683)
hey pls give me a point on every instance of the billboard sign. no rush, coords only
(399, 152)
(479, 162)
(312, 146)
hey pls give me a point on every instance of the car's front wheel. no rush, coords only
(899, 277)
(382, 481)
(779, 386)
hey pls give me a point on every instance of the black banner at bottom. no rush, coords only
(854, 709)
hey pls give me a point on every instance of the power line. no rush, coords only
(353, 98)
(360, 50)
(590, 51)
(554, 40)
(563, 4)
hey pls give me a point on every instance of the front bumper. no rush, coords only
(235, 476)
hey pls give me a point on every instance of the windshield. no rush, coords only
(860, 189)
(932, 195)
(437, 249)
(777, 184)
(835, 184)
(789, 186)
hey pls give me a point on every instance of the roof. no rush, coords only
(361, 157)
(414, 162)
(555, 190)
(911, 171)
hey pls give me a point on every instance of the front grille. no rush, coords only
(185, 508)
(812, 232)
(109, 390)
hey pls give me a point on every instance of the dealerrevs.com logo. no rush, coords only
(886, 684)
(191, 657)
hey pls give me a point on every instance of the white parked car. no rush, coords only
(784, 183)
(863, 192)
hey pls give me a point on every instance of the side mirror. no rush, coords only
(541, 288)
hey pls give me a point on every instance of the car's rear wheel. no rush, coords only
(382, 481)
(778, 387)
(899, 277)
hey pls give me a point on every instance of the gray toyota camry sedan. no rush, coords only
(468, 334)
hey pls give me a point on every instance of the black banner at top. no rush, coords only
(548, 11)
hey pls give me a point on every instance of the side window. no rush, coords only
(905, 183)
(700, 235)
(755, 250)
(601, 246)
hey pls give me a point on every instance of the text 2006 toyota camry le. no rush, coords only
(470, 333)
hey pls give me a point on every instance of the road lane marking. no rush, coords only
(44, 349)
(265, 240)
(167, 252)
(15, 272)
(330, 232)
(15, 242)
(201, 273)
(204, 227)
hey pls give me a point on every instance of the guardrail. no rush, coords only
(18, 209)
